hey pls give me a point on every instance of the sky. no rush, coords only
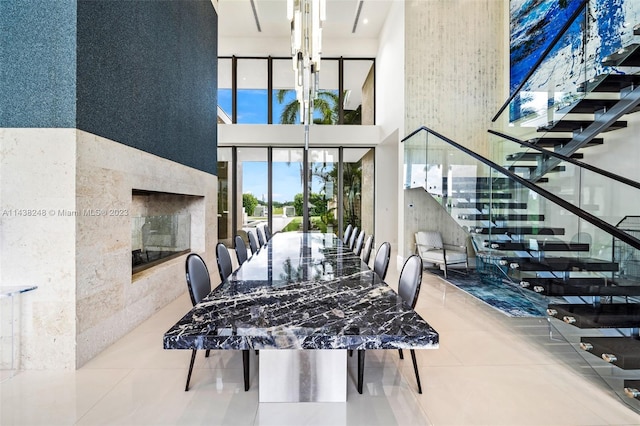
(252, 109)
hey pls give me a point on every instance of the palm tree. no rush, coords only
(326, 104)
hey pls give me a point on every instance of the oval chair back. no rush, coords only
(352, 239)
(410, 280)
(381, 261)
(198, 281)
(260, 235)
(347, 234)
(359, 243)
(366, 252)
(225, 267)
(241, 250)
(267, 232)
(253, 242)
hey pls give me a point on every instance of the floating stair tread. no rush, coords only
(485, 205)
(587, 106)
(531, 167)
(562, 263)
(552, 142)
(605, 315)
(521, 230)
(626, 350)
(573, 125)
(502, 217)
(535, 156)
(483, 195)
(542, 245)
(628, 56)
(610, 83)
(552, 288)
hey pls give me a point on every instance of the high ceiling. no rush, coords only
(237, 18)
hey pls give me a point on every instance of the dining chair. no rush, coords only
(352, 239)
(260, 235)
(199, 285)
(366, 252)
(347, 234)
(267, 232)
(408, 290)
(381, 261)
(241, 250)
(225, 267)
(253, 242)
(357, 249)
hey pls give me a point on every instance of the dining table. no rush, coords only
(303, 300)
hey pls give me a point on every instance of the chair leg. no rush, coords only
(415, 368)
(350, 352)
(401, 354)
(193, 358)
(245, 365)
(360, 369)
(206, 354)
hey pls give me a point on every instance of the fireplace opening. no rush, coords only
(156, 239)
(160, 228)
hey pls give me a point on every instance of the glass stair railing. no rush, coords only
(544, 246)
(581, 88)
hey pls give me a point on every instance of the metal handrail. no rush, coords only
(586, 166)
(546, 52)
(595, 221)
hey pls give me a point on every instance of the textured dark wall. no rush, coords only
(147, 76)
(37, 63)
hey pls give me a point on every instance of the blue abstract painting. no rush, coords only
(605, 27)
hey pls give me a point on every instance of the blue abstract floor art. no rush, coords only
(506, 298)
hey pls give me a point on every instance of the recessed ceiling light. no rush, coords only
(365, 21)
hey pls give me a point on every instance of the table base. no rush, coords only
(289, 375)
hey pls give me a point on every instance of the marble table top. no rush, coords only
(302, 291)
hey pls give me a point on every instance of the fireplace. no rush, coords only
(160, 228)
(156, 239)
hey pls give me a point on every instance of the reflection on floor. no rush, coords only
(506, 298)
(489, 370)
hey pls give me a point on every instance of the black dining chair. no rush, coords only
(408, 290)
(381, 261)
(199, 285)
(357, 249)
(225, 267)
(253, 242)
(260, 235)
(241, 250)
(352, 238)
(347, 234)
(267, 232)
(366, 252)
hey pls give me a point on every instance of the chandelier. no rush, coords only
(306, 17)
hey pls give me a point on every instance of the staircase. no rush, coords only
(602, 293)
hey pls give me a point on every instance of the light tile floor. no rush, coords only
(489, 370)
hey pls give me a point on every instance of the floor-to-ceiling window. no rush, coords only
(358, 188)
(287, 191)
(260, 90)
(323, 185)
(270, 185)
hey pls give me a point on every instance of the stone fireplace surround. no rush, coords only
(87, 297)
